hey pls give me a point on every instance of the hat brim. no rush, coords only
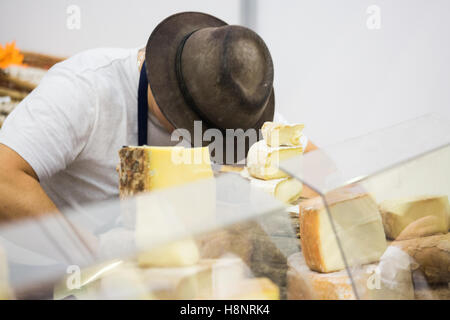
(160, 57)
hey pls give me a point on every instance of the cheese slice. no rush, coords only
(277, 134)
(263, 161)
(151, 168)
(415, 217)
(286, 190)
(389, 280)
(358, 226)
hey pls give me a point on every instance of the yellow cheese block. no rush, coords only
(277, 134)
(415, 217)
(263, 161)
(152, 168)
(357, 223)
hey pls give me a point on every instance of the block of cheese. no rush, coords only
(431, 256)
(386, 281)
(286, 190)
(415, 217)
(175, 254)
(263, 161)
(277, 134)
(156, 233)
(305, 284)
(255, 289)
(151, 168)
(358, 226)
(213, 279)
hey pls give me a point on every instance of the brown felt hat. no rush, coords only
(201, 68)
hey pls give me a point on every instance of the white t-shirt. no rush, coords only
(71, 127)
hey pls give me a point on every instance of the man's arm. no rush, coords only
(21, 195)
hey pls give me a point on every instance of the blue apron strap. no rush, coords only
(142, 107)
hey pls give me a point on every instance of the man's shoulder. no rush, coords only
(93, 60)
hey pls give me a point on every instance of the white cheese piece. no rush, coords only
(286, 190)
(358, 226)
(276, 134)
(415, 217)
(263, 161)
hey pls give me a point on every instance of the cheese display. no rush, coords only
(389, 280)
(431, 256)
(286, 190)
(263, 160)
(276, 134)
(152, 168)
(415, 217)
(358, 227)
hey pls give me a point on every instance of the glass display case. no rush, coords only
(372, 223)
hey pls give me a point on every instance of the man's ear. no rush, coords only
(12, 161)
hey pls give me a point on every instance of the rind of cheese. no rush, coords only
(358, 226)
(286, 190)
(305, 284)
(431, 256)
(415, 217)
(277, 134)
(263, 161)
(389, 280)
(151, 168)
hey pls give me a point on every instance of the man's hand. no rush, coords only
(21, 195)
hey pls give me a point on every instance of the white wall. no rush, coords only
(40, 25)
(342, 79)
(331, 72)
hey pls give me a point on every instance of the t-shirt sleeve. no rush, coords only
(51, 126)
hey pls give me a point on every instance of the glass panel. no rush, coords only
(379, 227)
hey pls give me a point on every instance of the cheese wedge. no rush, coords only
(151, 168)
(286, 190)
(358, 226)
(415, 217)
(263, 161)
(389, 280)
(277, 134)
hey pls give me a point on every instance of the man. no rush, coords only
(59, 147)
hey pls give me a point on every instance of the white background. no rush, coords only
(331, 72)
